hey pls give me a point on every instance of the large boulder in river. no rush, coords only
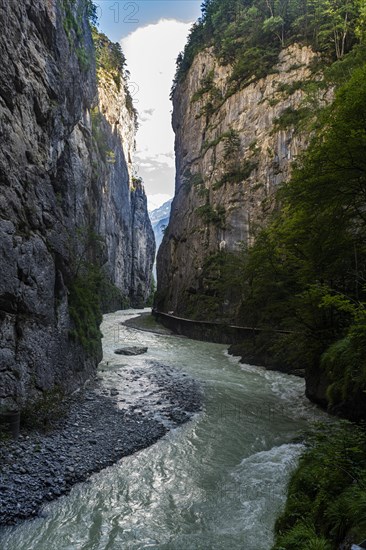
(132, 350)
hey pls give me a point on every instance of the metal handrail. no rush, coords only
(221, 324)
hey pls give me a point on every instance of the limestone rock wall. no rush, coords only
(122, 216)
(56, 186)
(229, 162)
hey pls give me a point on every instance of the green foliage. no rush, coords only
(196, 179)
(112, 61)
(84, 307)
(137, 182)
(45, 411)
(111, 297)
(291, 118)
(91, 290)
(235, 171)
(109, 55)
(85, 287)
(231, 145)
(207, 84)
(339, 72)
(213, 102)
(345, 363)
(83, 58)
(237, 174)
(130, 106)
(196, 42)
(91, 11)
(249, 34)
(326, 496)
(336, 25)
(213, 216)
(71, 22)
(74, 27)
(231, 140)
(305, 272)
(220, 279)
(206, 145)
(303, 536)
(306, 268)
(202, 306)
(192, 180)
(254, 63)
(289, 89)
(275, 25)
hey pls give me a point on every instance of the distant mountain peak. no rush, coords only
(160, 213)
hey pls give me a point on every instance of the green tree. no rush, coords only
(262, 27)
(315, 248)
(338, 25)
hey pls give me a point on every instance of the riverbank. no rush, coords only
(216, 482)
(100, 427)
(242, 342)
(326, 505)
(147, 323)
(251, 352)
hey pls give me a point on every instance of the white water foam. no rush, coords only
(289, 388)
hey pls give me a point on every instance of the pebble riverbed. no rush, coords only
(99, 428)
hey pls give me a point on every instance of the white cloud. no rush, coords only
(146, 115)
(151, 53)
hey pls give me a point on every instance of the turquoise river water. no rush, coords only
(217, 483)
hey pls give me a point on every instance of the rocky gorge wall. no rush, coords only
(65, 164)
(122, 215)
(232, 152)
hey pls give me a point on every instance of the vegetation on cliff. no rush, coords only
(85, 288)
(249, 34)
(91, 291)
(73, 23)
(306, 270)
(305, 274)
(303, 279)
(111, 61)
(326, 504)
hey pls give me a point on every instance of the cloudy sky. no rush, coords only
(152, 33)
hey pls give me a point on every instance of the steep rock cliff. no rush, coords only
(60, 196)
(122, 216)
(232, 152)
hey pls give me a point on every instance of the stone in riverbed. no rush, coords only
(132, 350)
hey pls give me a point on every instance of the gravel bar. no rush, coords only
(99, 428)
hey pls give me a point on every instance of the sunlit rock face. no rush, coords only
(229, 164)
(57, 188)
(123, 215)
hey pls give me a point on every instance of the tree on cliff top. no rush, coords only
(252, 32)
